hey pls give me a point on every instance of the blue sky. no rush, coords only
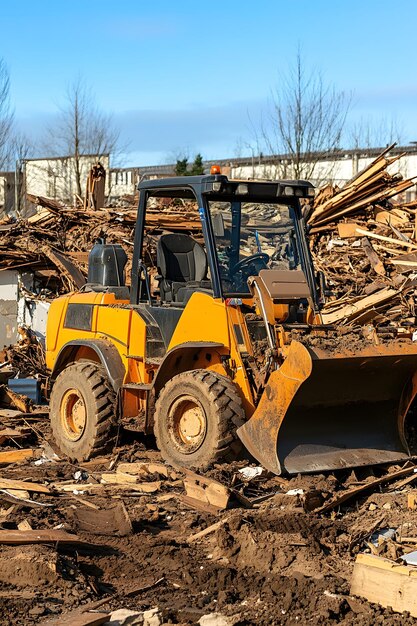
(189, 76)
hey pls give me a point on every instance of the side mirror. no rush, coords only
(218, 224)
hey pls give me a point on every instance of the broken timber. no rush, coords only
(385, 582)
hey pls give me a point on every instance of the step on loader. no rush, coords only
(225, 345)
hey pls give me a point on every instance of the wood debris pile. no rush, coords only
(26, 357)
(54, 242)
(365, 244)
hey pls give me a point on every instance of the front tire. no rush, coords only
(82, 411)
(196, 417)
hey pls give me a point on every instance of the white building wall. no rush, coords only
(55, 177)
(337, 171)
(123, 182)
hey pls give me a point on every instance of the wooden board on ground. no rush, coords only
(207, 531)
(6, 483)
(79, 618)
(205, 491)
(25, 537)
(111, 521)
(53, 537)
(144, 487)
(385, 582)
(17, 456)
(23, 403)
(143, 468)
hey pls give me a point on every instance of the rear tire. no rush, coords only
(196, 417)
(82, 411)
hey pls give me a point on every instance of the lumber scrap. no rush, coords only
(353, 492)
(26, 537)
(7, 483)
(143, 468)
(78, 617)
(9, 397)
(207, 531)
(350, 311)
(66, 266)
(205, 493)
(376, 263)
(385, 582)
(112, 521)
(17, 456)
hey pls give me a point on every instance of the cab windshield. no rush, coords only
(249, 237)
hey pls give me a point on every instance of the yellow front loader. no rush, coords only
(226, 346)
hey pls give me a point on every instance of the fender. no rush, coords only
(182, 358)
(107, 355)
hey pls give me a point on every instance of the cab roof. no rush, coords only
(220, 185)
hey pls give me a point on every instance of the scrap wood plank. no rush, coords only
(392, 240)
(22, 497)
(347, 230)
(355, 491)
(405, 261)
(207, 531)
(6, 483)
(351, 187)
(395, 217)
(130, 481)
(376, 263)
(111, 521)
(65, 266)
(200, 489)
(350, 311)
(26, 537)
(118, 478)
(385, 582)
(148, 487)
(17, 456)
(366, 200)
(143, 467)
(23, 403)
(11, 413)
(79, 618)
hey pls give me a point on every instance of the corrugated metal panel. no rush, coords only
(26, 387)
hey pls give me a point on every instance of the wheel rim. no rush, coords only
(187, 424)
(73, 414)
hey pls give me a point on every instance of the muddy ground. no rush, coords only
(274, 563)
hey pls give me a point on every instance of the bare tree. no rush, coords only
(375, 133)
(6, 116)
(82, 128)
(21, 148)
(306, 121)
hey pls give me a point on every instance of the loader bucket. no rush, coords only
(327, 410)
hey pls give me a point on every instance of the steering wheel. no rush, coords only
(259, 256)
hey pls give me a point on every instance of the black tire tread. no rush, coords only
(224, 396)
(104, 398)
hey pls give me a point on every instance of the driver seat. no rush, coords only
(182, 265)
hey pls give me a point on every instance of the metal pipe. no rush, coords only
(271, 341)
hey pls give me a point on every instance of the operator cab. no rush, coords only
(247, 227)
